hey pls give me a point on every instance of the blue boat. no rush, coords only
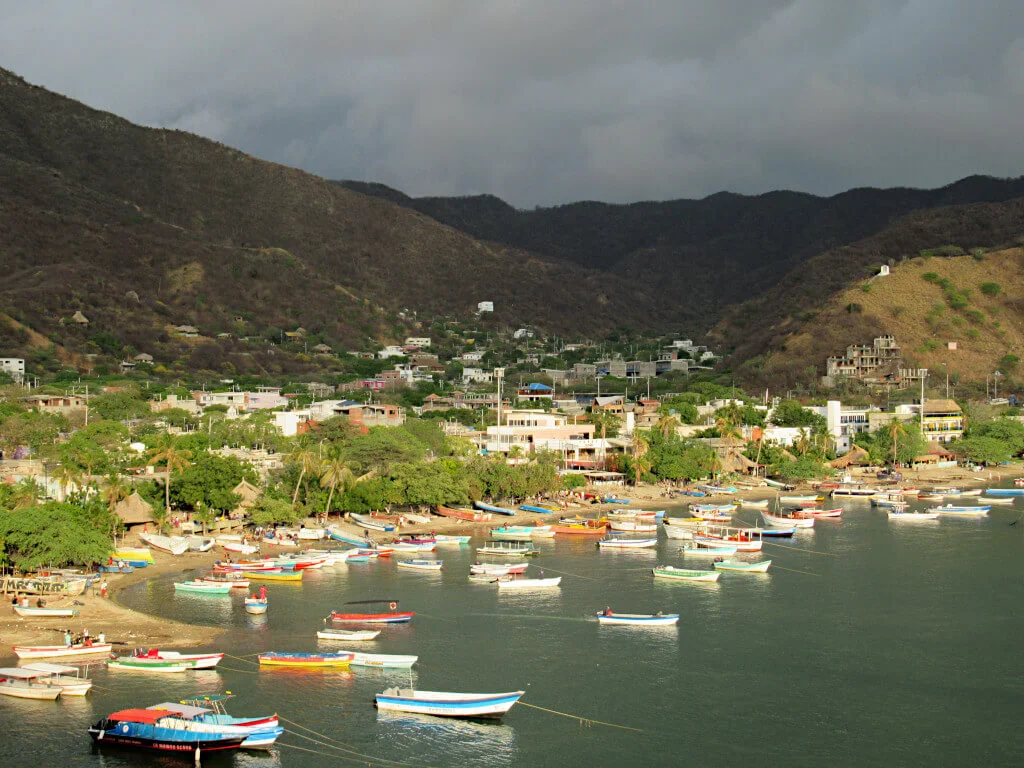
(492, 508)
(614, 500)
(137, 728)
(780, 532)
(339, 535)
(445, 704)
(540, 510)
(1005, 491)
(124, 567)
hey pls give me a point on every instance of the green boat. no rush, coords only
(202, 589)
(736, 565)
(133, 665)
(684, 574)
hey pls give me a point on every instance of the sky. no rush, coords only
(542, 103)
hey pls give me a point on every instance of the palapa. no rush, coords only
(856, 456)
(134, 510)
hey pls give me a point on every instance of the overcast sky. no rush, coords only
(559, 100)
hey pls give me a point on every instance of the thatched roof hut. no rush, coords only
(248, 495)
(735, 462)
(134, 510)
(856, 456)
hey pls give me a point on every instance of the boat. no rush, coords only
(420, 565)
(679, 532)
(755, 503)
(139, 729)
(270, 576)
(274, 659)
(628, 543)
(538, 509)
(347, 635)
(372, 523)
(56, 651)
(70, 679)
(446, 704)
(469, 515)
(255, 606)
(633, 525)
(192, 660)
(507, 549)
(1002, 501)
(393, 616)
(201, 588)
(1018, 491)
(614, 500)
(199, 544)
(311, 534)
(234, 544)
(684, 574)
(797, 519)
(381, 660)
(339, 534)
(724, 550)
(827, 513)
(904, 515)
(799, 499)
(581, 527)
(530, 583)
(207, 715)
(778, 484)
(717, 489)
(494, 569)
(133, 554)
(950, 509)
(642, 619)
(233, 580)
(492, 508)
(888, 499)
(854, 491)
(449, 540)
(41, 612)
(737, 565)
(412, 546)
(744, 539)
(522, 532)
(116, 568)
(130, 664)
(25, 684)
(175, 545)
(780, 532)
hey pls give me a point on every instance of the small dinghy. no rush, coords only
(639, 619)
(445, 704)
(346, 635)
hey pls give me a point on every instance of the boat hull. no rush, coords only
(639, 619)
(684, 574)
(54, 651)
(373, 618)
(305, 659)
(441, 704)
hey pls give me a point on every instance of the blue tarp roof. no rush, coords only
(539, 388)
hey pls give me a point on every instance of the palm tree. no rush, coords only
(27, 493)
(667, 425)
(604, 421)
(308, 461)
(896, 430)
(116, 490)
(335, 472)
(640, 461)
(66, 476)
(176, 460)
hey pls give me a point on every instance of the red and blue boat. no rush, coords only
(391, 616)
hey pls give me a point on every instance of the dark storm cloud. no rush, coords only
(542, 102)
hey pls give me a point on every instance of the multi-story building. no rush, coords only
(943, 421)
(14, 367)
(533, 430)
(862, 360)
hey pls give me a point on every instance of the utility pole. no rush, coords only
(924, 375)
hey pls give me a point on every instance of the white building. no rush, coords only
(391, 351)
(288, 421)
(485, 306)
(14, 366)
(477, 376)
(523, 333)
(472, 357)
(418, 341)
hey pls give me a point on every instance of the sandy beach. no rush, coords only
(129, 629)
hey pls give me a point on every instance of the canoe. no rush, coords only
(347, 635)
(41, 612)
(381, 660)
(54, 651)
(420, 565)
(1005, 491)
(265, 576)
(469, 515)
(641, 619)
(949, 509)
(202, 589)
(736, 565)
(633, 525)
(127, 664)
(372, 524)
(272, 659)
(614, 500)
(24, 684)
(255, 607)
(530, 583)
(445, 704)
(175, 545)
(685, 574)
(68, 678)
(492, 508)
(538, 509)
(628, 543)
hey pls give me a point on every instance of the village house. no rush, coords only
(533, 430)
(476, 376)
(484, 306)
(533, 392)
(173, 401)
(363, 414)
(60, 404)
(13, 367)
(391, 351)
(186, 331)
(943, 421)
(417, 342)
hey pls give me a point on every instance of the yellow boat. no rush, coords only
(306, 659)
(283, 576)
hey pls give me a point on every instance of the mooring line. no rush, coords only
(369, 761)
(343, 748)
(588, 721)
(793, 570)
(243, 659)
(800, 549)
(566, 573)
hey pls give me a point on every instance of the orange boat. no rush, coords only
(581, 527)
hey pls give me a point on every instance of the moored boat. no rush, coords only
(420, 565)
(950, 509)
(271, 576)
(449, 540)
(446, 704)
(904, 515)
(620, 543)
(639, 619)
(56, 651)
(70, 679)
(206, 714)
(392, 616)
(27, 684)
(275, 659)
(797, 519)
(695, 550)
(685, 574)
(139, 729)
(191, 660)
(507, 549)
(737, 565)
(492, 508)
(347, 635)
(255, 606)
(529, 583)
(130, 664)
(638, 526)
(470, 515)
(201, 588)
(381, 660)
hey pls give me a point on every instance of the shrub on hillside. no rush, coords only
(931, 277)
(991, 289)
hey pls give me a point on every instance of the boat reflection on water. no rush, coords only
(258, 621)
(461, 742)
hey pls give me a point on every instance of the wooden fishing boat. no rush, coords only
(755, 503)
(522, 532)
(445, 704)
(798, 499)
(778, 484)
(633, 525)
(679, 532)
(888, 499)
(139, 729)
(255, 606)
(133, 553)
(1004, 501)
(744, 539)
(796, 519)
(207, 715)
(420, 565)
(116, 568)
(371, 523)
(737, 565)
(36, 612)
(639, 619)
(56, 651)
(347, 635)
(470, 515)
(234, 544)
(723, 550)
(614, 500)
(543, 510)
(507, 549)
(854, 491)
(339, 534)
(235, 581)
(494, 569)
(27, 684)
(530, 583)
(492, 508)
(274, 659)
(904, 515)
(392, 616)
(311, 534)
(192, 660)
(620, 543)
(449, 540)
(175, 545)
(781, 532)
(412, 546)
(128, 664)
(381, 660)
(685, 574)
(199, 544)
(950, 509)
(580, 527)
(201, 588)
(269, 576)
(70, 679)
(827, 513)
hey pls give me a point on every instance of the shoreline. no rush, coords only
(129, 628)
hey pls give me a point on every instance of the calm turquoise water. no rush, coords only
(868, 643)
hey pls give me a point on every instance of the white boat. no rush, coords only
(506, 548)
(68, 678)
(678, 531)
(255, 606)
(380, 660)
(530, 583)
(638, 526)
(311, 534)
(25, 684)
(199, 544)
(191, 660)
(412, 546)
(55, 651)
(1005, 501)
(950, 509)
(372, 523)
(693, 550)
(620, 543)
(233, 543)
(736, 565)
(175, 545)
(496, 569)
(42, 612)
(420, 565)
(903, 515)
(755, 503)
(639, 619)
(414, 517)
(345, 635)
(799, 499)
(446, 704)
(854, 491)
(805, 520)
(133, 667)
(450, 540)
(685, 574)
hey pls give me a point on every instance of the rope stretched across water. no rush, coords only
(588, 721)
(342, 748)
